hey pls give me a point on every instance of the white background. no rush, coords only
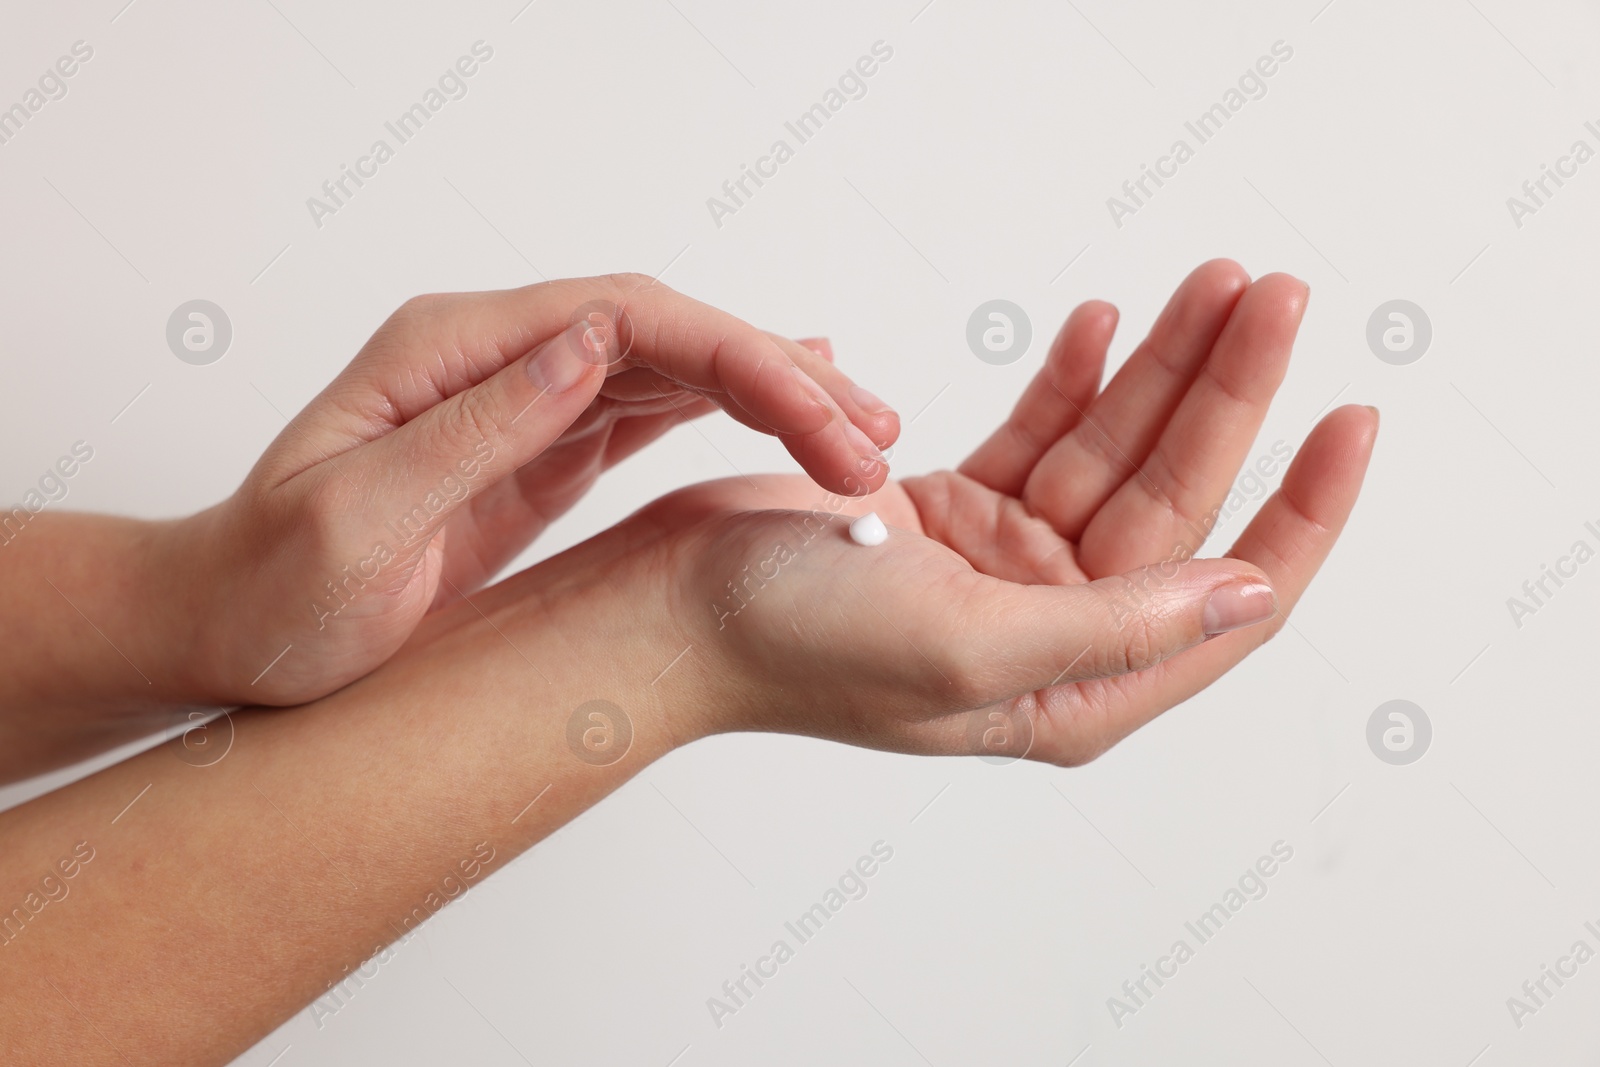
(977, 166)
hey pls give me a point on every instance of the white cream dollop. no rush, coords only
(869, 530)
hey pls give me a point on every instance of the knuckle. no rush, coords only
(1141, 644)
(621, 288)
(321, 514)
(1083, 731)
(1137, 642)
(967, 679)
(1080, 751)
(476, 418)
(420, 316)
(629, 280)
(423, 307)
(966, 667)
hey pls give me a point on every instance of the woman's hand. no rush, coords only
(1019, 607)
(1042, 599)
(459, 432)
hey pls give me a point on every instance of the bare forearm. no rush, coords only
(240, 890)
(95, 643)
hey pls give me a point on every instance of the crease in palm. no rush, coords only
(1084, 483)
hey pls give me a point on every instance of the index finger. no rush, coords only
(437, 346)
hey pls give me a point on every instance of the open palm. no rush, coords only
(1041, 599)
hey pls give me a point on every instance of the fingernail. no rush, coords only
(815, 388)
(861, 443)
(557, 367)
(1233, 607)
(1375, 412)
(869, 403)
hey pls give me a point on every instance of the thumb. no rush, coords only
(456, 449)
(1128, 622)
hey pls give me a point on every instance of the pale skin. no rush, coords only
(1046, 582)
(115, 625)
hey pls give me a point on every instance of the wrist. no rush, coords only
(598, 628)
(105, 653)
(178, 580)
